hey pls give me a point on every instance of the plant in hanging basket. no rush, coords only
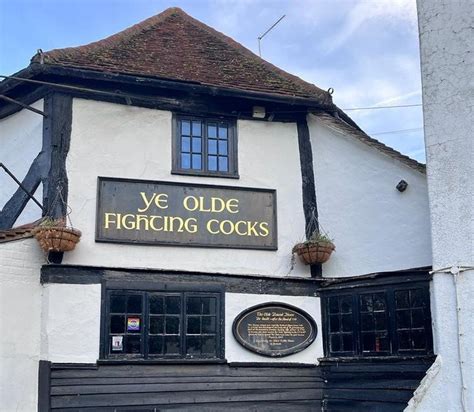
(317, 249)
(54, 236)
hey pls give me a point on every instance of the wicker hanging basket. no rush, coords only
(57, 238)
(314, 252)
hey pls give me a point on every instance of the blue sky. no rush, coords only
(367, 50)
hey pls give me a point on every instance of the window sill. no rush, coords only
(375, 359)
(159, 361)
(205, 174)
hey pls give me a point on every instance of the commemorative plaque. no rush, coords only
(185, 214)
(274, 329)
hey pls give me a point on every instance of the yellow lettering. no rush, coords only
(145, 200)
(222, 226)
(152, 223)
(191, 228)
(180, 221)
(208, 226)
(232, 203)
(214, 201)
(186, 205)
(142, 218)
(237, 228)
(251, 229)
(159, 200)
(264, 229)
(126, 223)
(107, 217)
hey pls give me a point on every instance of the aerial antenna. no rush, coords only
(264, 34)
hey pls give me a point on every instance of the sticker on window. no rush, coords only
(117, 343)
(133, 324)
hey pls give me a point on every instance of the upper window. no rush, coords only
(206, 147)
(392, 321)
(163, 325)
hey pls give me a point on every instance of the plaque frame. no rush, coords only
(277, 353)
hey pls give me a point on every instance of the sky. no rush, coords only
(366, 50)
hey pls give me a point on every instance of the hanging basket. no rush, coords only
(314, 252)
(57, 238)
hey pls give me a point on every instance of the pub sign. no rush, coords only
(174, 213)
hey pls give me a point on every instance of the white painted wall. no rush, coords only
(123, 141)
(374, 226)
(70, 330)
(20, 320)
(235, 303)
(21, 136)
(447, 65)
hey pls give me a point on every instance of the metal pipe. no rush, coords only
(9, 99)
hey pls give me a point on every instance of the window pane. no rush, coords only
(223, 147)
(209, 324)
(185, 144)
(196, 162)
(117, 303)
(222, 132)
(368, 342)
(156, 324)
(347, 325)
(212, 130)
(334, 325)
(185, 161)
(173, 304)
(134, 304)
(132, 344)
(347, 342)
(366, 303)
(172, 325)
(382, 343)
(335, 343)
(333, 305)
(185, 127)
(208, 345)
(380, 321)
(379, 302)
(196, 145)
(212, 163)
(403, 319)
(193, 306)
(193, 345)
(417, 298)
(419, 339)
(117, 324)
(172, 345)
(367, 321)
(404, 340)
(208, 306)
(417, 318)
(212, 146)
(196, 128)
(401, 299)
(346, 304)
(223, 166)
(156, 345)
(194, 324)
(156, 304)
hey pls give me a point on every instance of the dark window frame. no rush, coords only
(146, 289)
(393, 329)
(232, 147)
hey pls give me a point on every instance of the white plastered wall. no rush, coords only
(375, 227)
(21, 137)
(20, 320)
(447, 66)
(235, 303)
(70, 331)
(123, 141)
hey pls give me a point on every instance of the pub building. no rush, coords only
(191, 168)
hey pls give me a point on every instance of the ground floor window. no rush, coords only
(390, 320)
(163, 325)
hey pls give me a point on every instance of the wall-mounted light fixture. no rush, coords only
(258, 112)
(402, 185)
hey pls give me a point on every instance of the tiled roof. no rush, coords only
(16, 233)
(350, 130)
(172, 45)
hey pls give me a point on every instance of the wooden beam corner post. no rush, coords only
(309, 189)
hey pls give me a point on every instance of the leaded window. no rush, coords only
(161, 325)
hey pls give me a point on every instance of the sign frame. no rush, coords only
(281, 353)
(273, 193)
